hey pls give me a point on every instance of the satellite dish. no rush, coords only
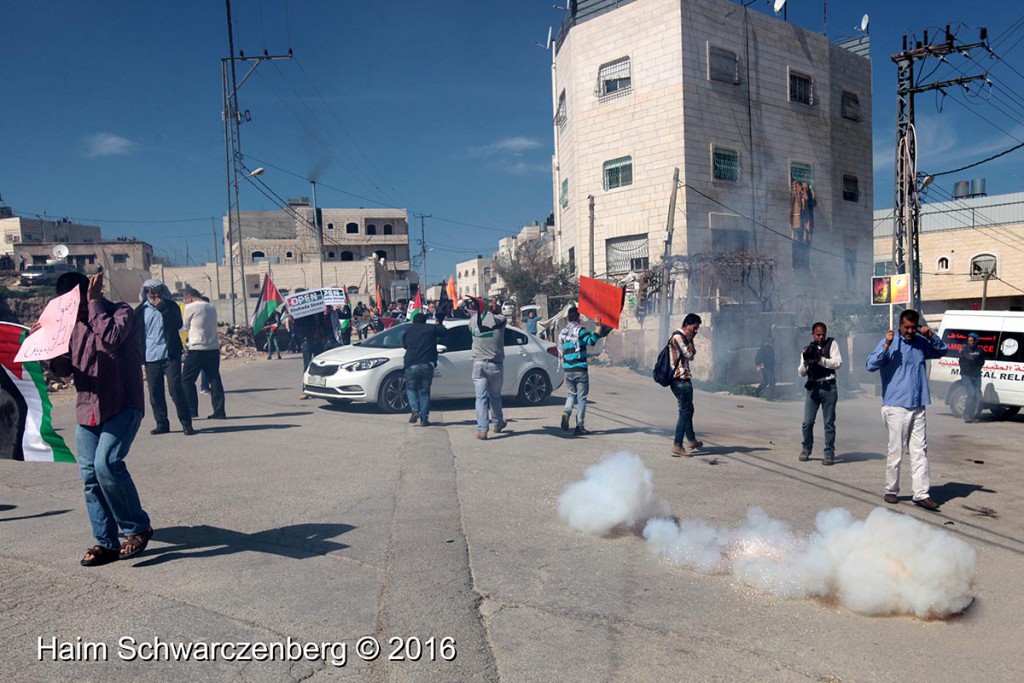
(779, 4)
(864, 24)
(61, 251)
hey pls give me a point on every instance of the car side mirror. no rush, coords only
(441, 348)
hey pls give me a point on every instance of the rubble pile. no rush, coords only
(236, 342)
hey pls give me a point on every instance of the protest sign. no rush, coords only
(53, 338)
(601, 301)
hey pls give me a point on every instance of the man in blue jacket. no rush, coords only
(901, 361)
(159, 324)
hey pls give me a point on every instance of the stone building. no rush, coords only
(971, 248)
(19, 231)
(761, 118)
(475, 277)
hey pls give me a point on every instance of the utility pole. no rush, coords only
(906, 243)
(319, 223)
(666, 256)
(216, 259)
(423, 249)
(590, 258)
(233, 118)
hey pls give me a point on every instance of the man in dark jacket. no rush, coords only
(972, 359)
(420, 344)
(159, 324)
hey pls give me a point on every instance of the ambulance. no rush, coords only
(1001, 339)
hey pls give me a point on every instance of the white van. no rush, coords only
(44, 274)
(1001, 338)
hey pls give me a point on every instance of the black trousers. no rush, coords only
(195, 363)
(156, 371)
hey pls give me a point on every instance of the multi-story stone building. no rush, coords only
(474, 277)
(509, 248)
(972, 249)
(763, 119)
(19, 231)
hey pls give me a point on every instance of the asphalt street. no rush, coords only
(329, 531)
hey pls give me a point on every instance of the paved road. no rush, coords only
(295, 520)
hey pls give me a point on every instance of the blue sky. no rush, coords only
(112, 110)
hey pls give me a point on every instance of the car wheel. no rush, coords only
(957, 400)
(1004, 412)
(534, 388)
(391, 397)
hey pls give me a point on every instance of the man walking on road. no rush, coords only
(105, 359)
(819, 361)
(905, 396)
(487, 326)
(203, 353)
(573, 341)
(159, 323)
(681, 352)
(420, 344)
(972, 360)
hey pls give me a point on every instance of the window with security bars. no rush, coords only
(851, 188)
(560, 114)
(618, 173)
(801, 88)
(729, 239)
(626, 254)
(851, 106)
(725, 164)
(801, 173)
(983, 266)
(723, 65)
(614, 78)
(885, 268)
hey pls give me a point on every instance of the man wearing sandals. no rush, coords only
(106, 361)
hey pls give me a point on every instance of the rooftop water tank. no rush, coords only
(978, 187)
(961, 188)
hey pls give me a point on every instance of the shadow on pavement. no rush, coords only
(727, 450)
(954, 489)
(254, 390)
(298, 542)
(258, 417)
(858, 457)
(252, 428)
(51, 513)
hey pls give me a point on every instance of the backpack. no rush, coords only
(664, 371)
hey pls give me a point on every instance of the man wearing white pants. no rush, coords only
(905, 396)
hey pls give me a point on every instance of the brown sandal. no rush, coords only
(135, 544)
(98, 555)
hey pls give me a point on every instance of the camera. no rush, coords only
(811, 354)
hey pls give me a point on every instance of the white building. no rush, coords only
(475, 277)
(34, 231)
(743, 104)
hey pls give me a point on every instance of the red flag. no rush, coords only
(380, 301)
(601, 301)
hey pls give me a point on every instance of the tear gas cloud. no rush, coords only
(885, 564)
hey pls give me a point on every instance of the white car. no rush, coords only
(372, 369)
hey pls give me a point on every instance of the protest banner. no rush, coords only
(601, 301)
(53, 338)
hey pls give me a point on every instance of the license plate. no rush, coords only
(318, 381)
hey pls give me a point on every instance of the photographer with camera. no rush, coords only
(819, 361)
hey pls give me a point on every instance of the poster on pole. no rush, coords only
(887, 290)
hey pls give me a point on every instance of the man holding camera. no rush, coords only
(819, 361)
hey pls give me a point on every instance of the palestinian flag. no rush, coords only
(415, 306)
(269, 302)
(26, 432)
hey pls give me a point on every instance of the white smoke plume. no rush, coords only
(617, 492)
(885, 564)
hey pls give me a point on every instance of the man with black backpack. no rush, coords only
(819, 361)
(680, 352)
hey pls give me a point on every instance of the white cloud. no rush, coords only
(106, 145)
(506, 146)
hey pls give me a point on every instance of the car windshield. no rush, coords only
(35, 269)
(388, 339)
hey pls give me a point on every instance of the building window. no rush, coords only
(983, 265)
(371, 229)
(851, 188)
(119, 259)
(330, 226)
(723, 65)
(943, 263)
(347, 256)
(885, 268)
(725, 164)
(572, 259)
(801, 88)
(618, 173)
(352, 228)
(801, 173)
(563, 197)
(625, 254)
(851, 106)
(389, 229)
(614, 78)
(257, 254)
(729, 239)
(382, 254)
(560, 114)
(288, 254)
(330, 255)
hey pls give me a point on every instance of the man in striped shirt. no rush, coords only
(681, 352)
(573, 341)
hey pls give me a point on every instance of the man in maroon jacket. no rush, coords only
(106, 361)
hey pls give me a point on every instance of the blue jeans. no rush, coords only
(683, 391)
(578, 384)
(973, 400)
(487, 380)
(110, 494)
(417, 386)
(824, 394)
(272, 346)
